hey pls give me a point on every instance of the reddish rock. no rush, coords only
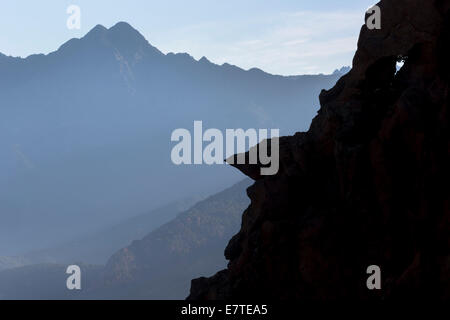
(368, 184)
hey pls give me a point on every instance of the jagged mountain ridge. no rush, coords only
(90, 125)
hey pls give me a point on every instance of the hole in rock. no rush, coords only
(401, 60)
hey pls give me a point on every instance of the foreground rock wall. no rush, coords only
(367, 184)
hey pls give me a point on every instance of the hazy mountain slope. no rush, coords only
(44, 282)
(12, 262)
(97, 247)
(160, 265)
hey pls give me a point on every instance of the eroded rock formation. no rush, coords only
(368, 184)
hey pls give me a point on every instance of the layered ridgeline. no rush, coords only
(85, 130)
(161, 265)
(158, 266)
(98, 246)
(367, 185)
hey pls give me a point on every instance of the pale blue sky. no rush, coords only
(278, 36)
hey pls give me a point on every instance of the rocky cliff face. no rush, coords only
(368, 184)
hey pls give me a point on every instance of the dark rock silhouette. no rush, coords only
(368, 184)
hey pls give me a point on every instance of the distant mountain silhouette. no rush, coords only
(85, 131)
(342, 71)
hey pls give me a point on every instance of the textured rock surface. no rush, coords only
(367, 184)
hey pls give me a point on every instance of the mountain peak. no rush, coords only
(122, 25)
(97, 31)
(123, 30)
(121, 37)
(204, 60)
(99, 28)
